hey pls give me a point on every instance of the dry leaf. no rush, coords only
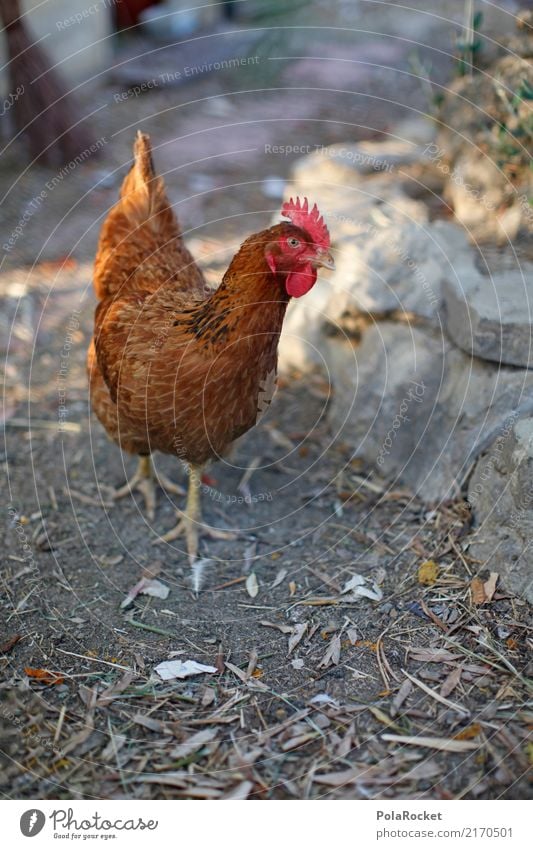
(297, 634)
(285, 629)
(238, 672)
(333, 652)
(148, 586)
(382, 717)
(443, 744)
(400, 697)
(323, 699)
(490, 585)
(354, 582)
(156, 589)
(297, 663)
(428, 572)
(278, 579)
(252, 587)
(9, 643)
(469, 732)
(478, 591)
(195, 742)
(240, 792)
(170, 669)
(433, 655)
(115, 689)
(44, 675)
(292, 588)
(451, 681)
(357, 589)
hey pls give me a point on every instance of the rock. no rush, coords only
(501, 494)
(491, 316)
(386, 324)
(391, 262)
(411, 403)
(417, 130)
(347, 162)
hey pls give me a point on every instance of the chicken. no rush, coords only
(174, 366)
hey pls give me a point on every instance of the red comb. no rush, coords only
(312, 222)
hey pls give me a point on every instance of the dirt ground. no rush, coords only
(417, 689)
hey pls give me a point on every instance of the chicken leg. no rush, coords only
(144, 481)
(190, 524)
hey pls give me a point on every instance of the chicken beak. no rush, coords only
(323, 259)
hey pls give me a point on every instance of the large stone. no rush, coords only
(501, 494)
(419, 409)
(390, 258)
(492, 316)
(352, 162)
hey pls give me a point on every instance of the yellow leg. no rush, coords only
(144, 481)
(190, 523)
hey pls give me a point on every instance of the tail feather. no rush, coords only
(141, 224)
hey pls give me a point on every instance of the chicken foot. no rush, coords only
(145, 481)
(190, 524)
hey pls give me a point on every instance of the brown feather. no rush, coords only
(171, 366)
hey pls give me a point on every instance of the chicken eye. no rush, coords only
(293, 243)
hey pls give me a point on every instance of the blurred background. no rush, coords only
(214, 86)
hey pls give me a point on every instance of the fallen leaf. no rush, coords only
(433, 655)
(354, 582)
(400, 697)
(451, 682)
(278, 579)
(443, 744)
(10, 643)
(148, 586)
(428, 572)
(252, 587)
(323, 699)
(115, 689)
(489, 586)
(44, 675)
(469, 732)
(357, 589)
(285, 629)
(150, 723)
(238, 672)
(333, 653)
(382, 717)
(170, 669)
(478, 591)
(240, 792)
(292, 588)
(297, 634)
(195, 742)
(297, 663)
(156, 589)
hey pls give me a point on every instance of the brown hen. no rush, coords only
(173, 365)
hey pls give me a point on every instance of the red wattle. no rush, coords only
(299, 282)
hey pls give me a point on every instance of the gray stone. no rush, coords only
(501, 494)
(409, 402)
(390, 258)
(393, 264)
(353, 162)
(491, 316)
